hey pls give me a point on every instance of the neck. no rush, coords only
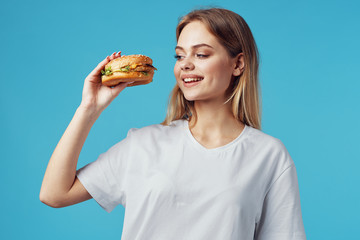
(216, 116)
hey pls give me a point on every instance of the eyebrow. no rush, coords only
(195, 46)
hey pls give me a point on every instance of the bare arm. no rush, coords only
(60, 187)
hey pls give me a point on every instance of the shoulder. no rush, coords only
(157, 130)
(269, 147)
(263, 139)
(147, 137)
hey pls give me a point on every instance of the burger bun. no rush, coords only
(132, 68)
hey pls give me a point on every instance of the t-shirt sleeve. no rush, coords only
(105, 178)
(281, 217)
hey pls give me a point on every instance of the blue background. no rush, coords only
(310, 90)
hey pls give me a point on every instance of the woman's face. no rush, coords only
(203, 69)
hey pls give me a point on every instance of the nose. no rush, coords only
(187, 64)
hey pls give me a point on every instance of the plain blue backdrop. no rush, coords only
(309, 83)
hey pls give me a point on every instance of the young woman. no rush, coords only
(206, 172)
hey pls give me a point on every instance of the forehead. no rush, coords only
(196, 33)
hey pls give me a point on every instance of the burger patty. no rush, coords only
(129, 68)
(142, 68)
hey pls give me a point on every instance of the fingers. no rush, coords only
(102, 64)
(118, 88)
(114, 55)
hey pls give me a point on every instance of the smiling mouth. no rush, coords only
(187, 80)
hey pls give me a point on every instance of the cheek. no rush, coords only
(176, 71)
(219, 71)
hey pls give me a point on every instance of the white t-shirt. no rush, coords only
(174, 188)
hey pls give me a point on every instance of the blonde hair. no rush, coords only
(234, 34)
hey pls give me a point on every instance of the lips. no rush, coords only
(189, 78)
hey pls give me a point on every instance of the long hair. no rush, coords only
(234, 34)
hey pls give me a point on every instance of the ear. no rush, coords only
(239, 64)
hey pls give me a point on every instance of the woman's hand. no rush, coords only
(95, 95)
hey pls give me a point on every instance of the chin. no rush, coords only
(193, 97)
(205, 98)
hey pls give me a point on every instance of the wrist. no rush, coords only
(91, 112)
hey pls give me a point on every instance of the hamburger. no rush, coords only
(137, 68)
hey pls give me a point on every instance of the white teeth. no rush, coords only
(192, 79)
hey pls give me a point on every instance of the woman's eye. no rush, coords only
(201, 55)
(178, 57)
